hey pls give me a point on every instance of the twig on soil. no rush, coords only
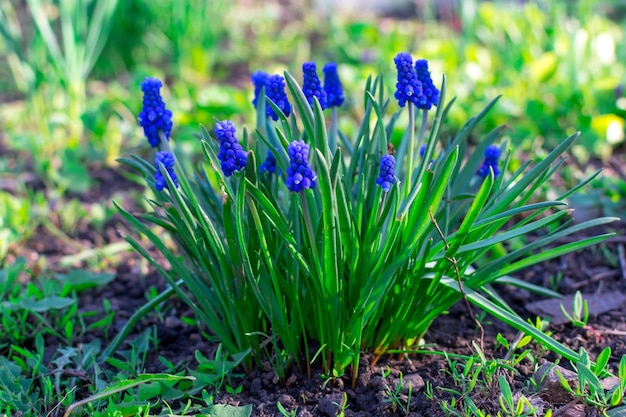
(567, 406)
(595, 333)
(612, 332)
(598, 277)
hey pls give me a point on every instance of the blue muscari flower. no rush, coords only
(430, 93)
(492, 154)
(154, 117)
(269, 165)
(231, 154)
(311, 85)
(299, 174)
(408, 87)
(332, 85)
(275, 91)
(259, 78)
(387, 176)
(167, 160)
(422, 150)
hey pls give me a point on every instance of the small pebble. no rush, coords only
(255, 387)
(414, 381)
(172, 322)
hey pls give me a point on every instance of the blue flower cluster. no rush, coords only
(154, 117)
(231, 155)
(167, 160)
(275, 91)
(492, 154)
(269, 165)
(387, 176)
(430, 93)
(329, 95)
(311, 85)
(259, 78)
(332, 86)
(408, 87)
(300, 176)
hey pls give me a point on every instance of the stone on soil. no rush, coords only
(414, 381)
(328, 404)
(550, 386)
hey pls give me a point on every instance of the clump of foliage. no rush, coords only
(344, 244)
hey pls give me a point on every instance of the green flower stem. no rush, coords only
(411, 154)
(309, 229)
(334, 131)
(319, 272)
(381, 207)
(164, 146)
(422, 132)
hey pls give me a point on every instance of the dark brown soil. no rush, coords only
(597, 270)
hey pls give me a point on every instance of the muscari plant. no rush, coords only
(333, 245)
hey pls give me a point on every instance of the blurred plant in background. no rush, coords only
(556, 64)
(555, 68)
(51, 52)
(184, 38)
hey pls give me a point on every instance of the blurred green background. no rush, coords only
(70, 72)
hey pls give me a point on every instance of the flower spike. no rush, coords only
(275, 91)
(167, 160)
(312, 86)
(154, 117)
(259, 78)
(300, 176)
(387, 177)
(269, 165)
(231, 154)
(492, 154)
(430, 93)
(332, 85)
(408, 87)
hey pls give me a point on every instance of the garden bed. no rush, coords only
(599, 270)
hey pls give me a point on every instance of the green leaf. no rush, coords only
(585, 374)
(554, 252)
(512, 320)
(148, 390)
(82, 279)
(302, 104)
(537, 289)
(124, 386)
(602, 360)
(506, 393)
(40, 306)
